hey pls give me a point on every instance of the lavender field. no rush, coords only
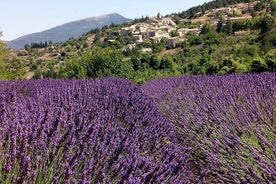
(190, 129)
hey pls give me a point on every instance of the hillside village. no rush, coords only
(236, 12)
(155, 29)
(163, 46)
(160, 27)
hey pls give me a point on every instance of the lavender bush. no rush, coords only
(229, 122)
(192, 129)
(101, 131)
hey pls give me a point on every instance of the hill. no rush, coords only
(63, 32)
(232, 38)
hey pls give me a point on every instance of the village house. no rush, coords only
(126, 31)
(148, 34)
(184, 31)
(240, 18)
(181, 32)
(223, 10)
(130, 46)
(171, 43)
(138, 38)
(185, 21)
(146, 50)
(156, 39)
(154, 29)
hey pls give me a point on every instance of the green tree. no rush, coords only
(174, 33)
(268, 41)
(27, 47)
(207, 28)
(107, 62)
(166, 62)
(240, 25)
(74, 69)
(210, 38)
(267, 23)
(273, 8)
(229, 27)
(193, 39)
(259, 6)
(211, 67)
(176, 19)
(99, 62)
(136, 63)
(3, 65)
(258, 65)
(270, 60)
(154, 62)
(220, 25)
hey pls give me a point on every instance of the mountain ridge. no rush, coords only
(68, 30)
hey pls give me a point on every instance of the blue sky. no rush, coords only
(21, 17)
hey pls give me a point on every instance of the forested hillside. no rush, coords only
(65, 31)
(220, 37)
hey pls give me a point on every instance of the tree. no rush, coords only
(27, 47)
(273, 8)
(220, 25)
(207, 28)
(136, 63)
(259, 6)
(229, 27)
(107, 62)
(176, 19)
(211, 67)
(174, 33)
(258, 65)
(268, 41)
(154, 62)
(193, 39)
(3, 65)
(166, 63)
(267, 23)
(270, 60)
(239, 25)
(99, 62)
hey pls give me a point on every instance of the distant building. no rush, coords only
(149, 34)
(184, 31)
(146, 50)
(181, 31)
(185, 21)
(240, 18)
(223, 10)
(159, 16)
(126, 31)
(130, 46)
(171, 43)
(138, 38)
(155, 39)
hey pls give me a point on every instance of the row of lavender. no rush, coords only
(174, 130)
(229, 122)
(101, 131)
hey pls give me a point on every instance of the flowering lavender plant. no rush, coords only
(189, 129)
(229, 122)
(101, 131)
